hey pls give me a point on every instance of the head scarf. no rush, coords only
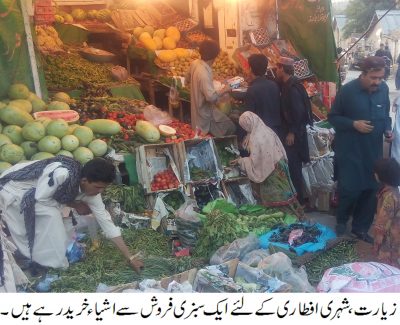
(265, 148)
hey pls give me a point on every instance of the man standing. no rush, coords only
(262, 97)
(360, 116)
(381, 52)
(205, 115)
(296, 114)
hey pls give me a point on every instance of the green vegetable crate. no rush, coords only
(154, 158)
(224, 156)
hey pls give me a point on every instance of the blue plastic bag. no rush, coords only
(326, 235)
(75, 252)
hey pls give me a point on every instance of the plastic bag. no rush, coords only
(155, 116)
(280, 266)
(254, 257)
(255, 280)
(188, 223)
(215, 278)
(119, 73)
(237, 249)
(173, 98)
(361, 277)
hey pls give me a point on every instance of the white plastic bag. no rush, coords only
(237, 249)
(155, 116)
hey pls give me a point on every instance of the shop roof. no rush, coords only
(389, 23)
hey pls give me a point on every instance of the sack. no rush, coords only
(155, 116)
(361, 277)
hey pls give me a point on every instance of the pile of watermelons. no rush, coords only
(33, 130)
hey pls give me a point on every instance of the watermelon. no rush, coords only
(69, 116)
(62, 97)
(98, 147)
(4, 139)
(84, 134)
(11, 153)
(18, 91)
(30, 148)
(42, 155)
(33, 131)
(69, 142)
(14, 132)
(49, 144)
(58, 128)
(65, 153)
(83, 155)
(22, 104)
(147, 131)
(4, 166)
(57, 106)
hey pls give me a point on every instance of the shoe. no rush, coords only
(363, 236)
(340, 229)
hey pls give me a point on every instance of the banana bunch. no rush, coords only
(48, 39)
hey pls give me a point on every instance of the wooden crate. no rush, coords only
(227, 141)
(212, 164)
(191, 188)
(148, 152)
(230, 196)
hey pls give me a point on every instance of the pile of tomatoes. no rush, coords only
(183, 132)
(164, 180)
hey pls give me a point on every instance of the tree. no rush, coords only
(360, 13)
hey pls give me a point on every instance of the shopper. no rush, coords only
(267, 165)
(296, 114)
(33, 194)
(262, 97)
(360, 116)
(387, 219)
(203, 97)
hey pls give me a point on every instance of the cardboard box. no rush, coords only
(153, 158)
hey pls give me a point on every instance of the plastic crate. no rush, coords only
(260, 37)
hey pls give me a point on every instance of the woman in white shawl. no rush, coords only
(267, 164)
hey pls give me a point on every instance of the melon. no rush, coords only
(137, 31)
(149, 44)
(22, 104)
(15, 116)
(42, 156)
(57, 106)
(4, 140)
(143, 36)
(4, 166)
(158, 42)
(33, 131)
(98, 147)
(147, 131)
(30, 148)
(166, 131)
(72, 128)
(160, 33)
(14, 133)
(104, 15)
(169, 43)
(83, 155)
(65, 153)
(104, 126)
(68, 18)
(69, 142)
(50, 144)
(78, 14)
(69, 116)
(59, 19)
(38, 104)
(44, 120)
(149, 29)
(62, 97)
(173, 33)
(58, 128)
(92, 14)
(18, 91)
(11, 153)
(182, 53)
(167, 55)
(84, 134)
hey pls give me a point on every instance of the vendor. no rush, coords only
(267, 165)
(203, 97)
(33, 194)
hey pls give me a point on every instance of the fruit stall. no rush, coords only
(107, 70)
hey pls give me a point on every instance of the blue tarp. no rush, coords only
(326, 235)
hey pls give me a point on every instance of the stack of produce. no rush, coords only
(51, 133)
(70, 71)
(107, 266)
(80, 15)
(223, 67)
(164, 180)
(48, 39)
(225, 223)
(131, 198)
(159, 39)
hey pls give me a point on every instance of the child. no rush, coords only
(387, 219)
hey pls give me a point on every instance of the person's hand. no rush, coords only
(389, 136)
(234, 162)
(290, 139)
(363, 126)
(136, 264)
